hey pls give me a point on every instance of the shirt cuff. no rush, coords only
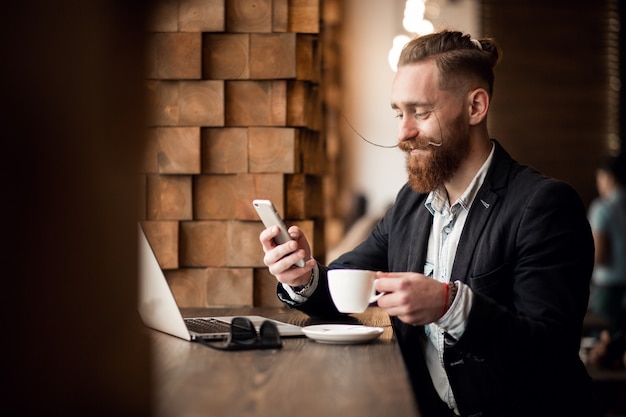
(453, 322)
(304, 296)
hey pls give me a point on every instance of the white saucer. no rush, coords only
(342, 333)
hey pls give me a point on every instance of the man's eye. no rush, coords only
(398, 116)
(422, 116)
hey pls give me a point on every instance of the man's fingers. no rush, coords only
(267, 238)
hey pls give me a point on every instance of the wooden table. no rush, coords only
(304, 378)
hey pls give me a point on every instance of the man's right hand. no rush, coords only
(280, 259)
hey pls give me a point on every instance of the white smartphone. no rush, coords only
(270, 217)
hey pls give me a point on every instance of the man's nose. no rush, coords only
(407, 130)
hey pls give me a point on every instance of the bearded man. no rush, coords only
(485, 262)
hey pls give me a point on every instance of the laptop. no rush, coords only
(159, 311)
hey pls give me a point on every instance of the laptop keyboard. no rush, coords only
(207, 326)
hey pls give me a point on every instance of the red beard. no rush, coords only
(429, 171)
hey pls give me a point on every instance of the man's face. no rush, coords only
(434, 128)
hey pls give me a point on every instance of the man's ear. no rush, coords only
(478, 105)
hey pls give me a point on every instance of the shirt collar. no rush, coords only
(437, 199)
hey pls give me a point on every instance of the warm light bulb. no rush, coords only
(394, 53)
(413, 14)
(424, 27)
(413, 22)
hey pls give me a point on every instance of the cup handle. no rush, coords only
(376, 297)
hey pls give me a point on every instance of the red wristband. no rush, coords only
(445, 299)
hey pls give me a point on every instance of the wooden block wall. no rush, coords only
(236, 113)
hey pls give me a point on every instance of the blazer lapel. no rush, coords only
(483, 206)
(481, 209)
(418, 240)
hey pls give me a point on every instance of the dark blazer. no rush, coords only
(526, 251)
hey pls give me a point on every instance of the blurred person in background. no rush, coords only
(607, 216)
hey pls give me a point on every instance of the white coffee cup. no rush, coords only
(352, 290)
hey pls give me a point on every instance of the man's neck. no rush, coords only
(477, 156)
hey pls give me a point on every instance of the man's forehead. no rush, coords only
(415, 85)
(426, 71)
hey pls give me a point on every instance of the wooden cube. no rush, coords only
(215, 196)
(302, 104)
(305, 196)
(202, 16)
(169, 197)
(230, 286)
(308, 58)
(304, 16)
(255, 103)
(230, 196)
(186, 103)
(280, 15)
(203, 243)
(226, 56)
(273, 149)
(313, 153)
(264, 187)
(243, 248)
(212, 287)
(201, 103)
(173, 150)
(272, 56)
(175, 55)
(225, 150)
(249, 16)
(162, 103)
